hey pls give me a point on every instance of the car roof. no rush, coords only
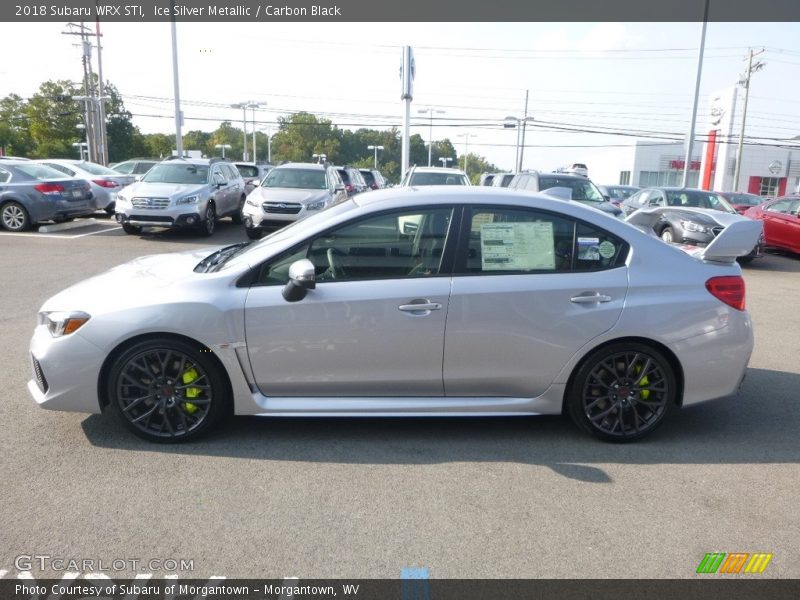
(438, 170)
(299, 165)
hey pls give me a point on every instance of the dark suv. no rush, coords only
(373, 178)
(353, 181)
(569, 187)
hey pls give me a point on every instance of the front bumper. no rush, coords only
(148, 219)
(66, 372)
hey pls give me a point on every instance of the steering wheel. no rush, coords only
(335, 267)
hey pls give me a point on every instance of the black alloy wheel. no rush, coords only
(622, 392)
(166, 391)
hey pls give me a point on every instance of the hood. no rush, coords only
(289, 195)
(162, 190)
(140, 281)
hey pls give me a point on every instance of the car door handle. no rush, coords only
(420, 306)
(590, 298)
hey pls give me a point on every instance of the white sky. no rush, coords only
(623, 76)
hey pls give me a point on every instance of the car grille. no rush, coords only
(151, 218)
(283, 208)
(39, 374)
(153, 203)
(716, 230)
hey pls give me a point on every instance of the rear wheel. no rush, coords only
(622, 392)
(167, 391)
(237, 216)
(131, 229)
(14, 217)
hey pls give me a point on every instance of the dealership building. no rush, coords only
(764, 170)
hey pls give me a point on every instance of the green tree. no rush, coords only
(14, 136)
(159, 144)
(476, 165)
(301, 135)
(53, 119)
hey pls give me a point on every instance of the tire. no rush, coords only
(622, 392)
(110, 209)
(209, 223)
(131, 229)
(237, 216)
(745, 260)
(14, 217)
(253, 233)
(668, 235)
(167, 391)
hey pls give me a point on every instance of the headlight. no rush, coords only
(692, 226)
(318, 205)
(188, 200)
(251, 202)
(63, 322)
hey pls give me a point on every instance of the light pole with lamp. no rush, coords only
(80, 146)
(320, 158)
(375, 148)
(430, 129)
(514, 123)
(244, 106)
(223, 146)
(445, 160)
(254, 106)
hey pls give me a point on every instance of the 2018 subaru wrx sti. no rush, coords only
(407, 301)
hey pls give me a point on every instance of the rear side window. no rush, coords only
(344, 175)
(505, 241)
(369, 179)
(247, 170)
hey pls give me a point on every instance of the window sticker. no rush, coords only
(607, 249)
(588, 248)
(517, 246)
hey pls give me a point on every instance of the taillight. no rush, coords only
(49, 188)
(728, 289)
(106, 183)
(349, 188)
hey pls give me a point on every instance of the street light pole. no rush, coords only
(445, 160)
(511, 123)
(430, 111)
(375, 148)
(223, 146)
(254, 106)
(466, 147)
(243, 106)
(745, 81)
(687, 163)
(176, 86)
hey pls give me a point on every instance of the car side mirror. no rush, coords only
(302, 277)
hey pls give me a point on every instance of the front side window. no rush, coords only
(396, 245)
(509, 241)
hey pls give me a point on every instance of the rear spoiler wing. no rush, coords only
(737, 239)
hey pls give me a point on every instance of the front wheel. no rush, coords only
(14, 217)
(668, 235)
(253, 233)
(167, 391)
(622, 392)
(209, 223)
(237, 216)
(131, 229)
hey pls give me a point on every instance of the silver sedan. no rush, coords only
(434, 301)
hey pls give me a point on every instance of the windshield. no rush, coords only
(438, 179)
(177, 173)
(583, 190)
(303, 179)
(95, 169)
(294, 230)
(698, 199)
(620, 193)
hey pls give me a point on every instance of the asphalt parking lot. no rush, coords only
(465, 498)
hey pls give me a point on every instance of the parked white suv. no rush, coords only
(183, 193)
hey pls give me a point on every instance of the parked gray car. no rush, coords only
(252, 173)
(31, 193)
(106, 183)
(493, 303)
(291, 192)
(135, 166)
(183, 193)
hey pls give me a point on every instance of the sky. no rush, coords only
(636, 79)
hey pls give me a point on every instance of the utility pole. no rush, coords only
(466, 147)
(745, 81)
(524, 124)
(687, 163)
(101, 107)
(244, 106)
(430, 130)
(89, 115)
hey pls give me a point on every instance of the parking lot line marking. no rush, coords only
(107, 227)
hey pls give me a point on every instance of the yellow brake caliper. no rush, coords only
(190, 375)
(644, 381)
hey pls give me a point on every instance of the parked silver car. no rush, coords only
(291, 192)
(31, 193)
(183, 193)
(493, 303)
(106, 183)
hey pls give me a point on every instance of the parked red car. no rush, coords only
(741, 201)
(781, 220)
